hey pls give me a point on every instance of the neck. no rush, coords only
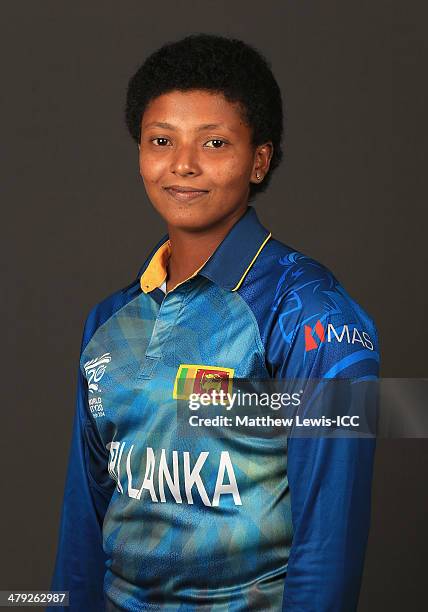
(190, 250)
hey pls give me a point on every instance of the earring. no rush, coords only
(258, 177)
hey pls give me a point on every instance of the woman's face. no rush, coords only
(198, 140)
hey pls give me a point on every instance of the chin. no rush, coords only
(196, 223)
(186, 216)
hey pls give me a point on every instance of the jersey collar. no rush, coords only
(227, 266)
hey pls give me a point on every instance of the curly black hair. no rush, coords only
(221, 65)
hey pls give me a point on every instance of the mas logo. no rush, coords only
(314, 336)
(196, 378)
(94, 370)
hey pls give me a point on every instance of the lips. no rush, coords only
(185, 194)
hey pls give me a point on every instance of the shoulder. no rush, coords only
(289, 281)
(303, 310)
(106, 308)
(309, 282)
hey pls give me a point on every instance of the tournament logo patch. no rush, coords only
(197, 378)
(94, 370)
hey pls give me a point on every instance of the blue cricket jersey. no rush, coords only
(152, 520)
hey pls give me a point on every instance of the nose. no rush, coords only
(185, 161)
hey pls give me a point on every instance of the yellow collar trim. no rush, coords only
(157, 270)
(241, 280)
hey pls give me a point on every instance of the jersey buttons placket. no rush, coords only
(164, 324)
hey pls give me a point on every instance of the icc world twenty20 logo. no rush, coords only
(94, 370)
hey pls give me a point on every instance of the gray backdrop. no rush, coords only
(78, 224)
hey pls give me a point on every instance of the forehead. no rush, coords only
(195, 109)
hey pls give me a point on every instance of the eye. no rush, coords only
(217, 141)
(165, 140)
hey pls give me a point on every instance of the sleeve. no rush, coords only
(80, 559)
(329, 478)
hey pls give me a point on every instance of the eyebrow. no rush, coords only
(204, 126)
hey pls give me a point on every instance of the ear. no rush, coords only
(262, 158)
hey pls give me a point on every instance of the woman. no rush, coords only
(157, 520)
